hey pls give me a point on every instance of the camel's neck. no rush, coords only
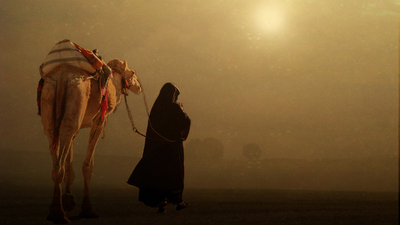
(117, 82)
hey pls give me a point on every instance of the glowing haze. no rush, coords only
(302, 79)
(269, 18)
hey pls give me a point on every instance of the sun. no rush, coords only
(269, 19)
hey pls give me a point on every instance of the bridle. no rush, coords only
(125, 84)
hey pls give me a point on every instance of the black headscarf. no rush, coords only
(167, 119)
(166, 98)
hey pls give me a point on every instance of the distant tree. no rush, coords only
(251, 151)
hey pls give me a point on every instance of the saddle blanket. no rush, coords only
(67, 52)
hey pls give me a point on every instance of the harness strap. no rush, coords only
(125, 85)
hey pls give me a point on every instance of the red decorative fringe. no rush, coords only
(104, 102)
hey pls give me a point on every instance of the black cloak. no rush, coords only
(162, 163)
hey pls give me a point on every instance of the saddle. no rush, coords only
(68, 52)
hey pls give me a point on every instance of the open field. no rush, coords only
(26, 192)
(22, 168)
(222, 206)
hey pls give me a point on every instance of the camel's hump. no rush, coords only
(65, 52)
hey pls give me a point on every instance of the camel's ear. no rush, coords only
(125, 65)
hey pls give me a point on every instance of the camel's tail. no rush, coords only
(39, 94)
(51, 104)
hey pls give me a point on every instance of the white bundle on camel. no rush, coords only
(66, 52)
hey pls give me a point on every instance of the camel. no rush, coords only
(71, 100)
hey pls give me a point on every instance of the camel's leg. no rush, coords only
(58, 176)
(88, 165)
(75, 106)
(69, 172)
(76, 97)
(68, 199)
(56, 213)
(48, 102)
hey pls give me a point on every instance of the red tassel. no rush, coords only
(104, 103)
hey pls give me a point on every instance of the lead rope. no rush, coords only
(148, 115)
(130, 118)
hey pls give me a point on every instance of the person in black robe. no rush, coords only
(159, 175)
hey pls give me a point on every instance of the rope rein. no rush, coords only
(131, 119)
(125, 93)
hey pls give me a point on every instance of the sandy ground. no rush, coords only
(219, 206)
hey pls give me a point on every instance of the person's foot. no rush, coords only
(161, 207)
(181, 206)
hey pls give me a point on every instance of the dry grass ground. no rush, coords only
(220, 206)
(26, 192)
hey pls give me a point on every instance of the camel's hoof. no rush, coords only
(88, 215)
(61, 221)
(56, 215)
(57, 219)
(74, 218)
(68, 202)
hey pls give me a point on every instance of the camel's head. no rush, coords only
(128, 76)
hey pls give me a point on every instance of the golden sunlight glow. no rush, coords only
(269, 18)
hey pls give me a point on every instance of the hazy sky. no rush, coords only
(303, 79)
